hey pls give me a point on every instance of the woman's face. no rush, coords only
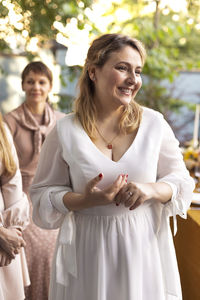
(119, 80)
(36, 87)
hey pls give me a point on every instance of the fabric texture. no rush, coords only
(29, 132)
(109, 252)
(14, 212)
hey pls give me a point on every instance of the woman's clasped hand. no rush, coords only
(11, 241)
(119, 192)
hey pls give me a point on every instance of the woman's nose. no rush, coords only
(36, 85)
(132, 78)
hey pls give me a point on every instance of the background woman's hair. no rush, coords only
(5, 152)
(37, 67)
(98, 54)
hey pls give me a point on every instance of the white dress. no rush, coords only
(14, 213)
(109, 252)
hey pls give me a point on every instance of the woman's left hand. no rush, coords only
(5, 259)
(131, 196)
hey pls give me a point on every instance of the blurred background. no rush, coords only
(60, 32)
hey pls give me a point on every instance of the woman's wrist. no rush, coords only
(2, 232)
(159, 191)
(3, 235)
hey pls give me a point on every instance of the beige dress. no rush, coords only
(14, 212)
(29, 132)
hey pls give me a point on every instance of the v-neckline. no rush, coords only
(105, 156)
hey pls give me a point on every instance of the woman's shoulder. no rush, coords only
(67, 119)
(13, 116)
(151, 115)
(14, 112)
(67, 127)
(59, 115)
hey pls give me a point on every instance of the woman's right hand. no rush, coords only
(11, 240)
(94, 196)
(5, 259)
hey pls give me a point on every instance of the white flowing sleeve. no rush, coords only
(50, 184)
(172, 170)
(15, 212)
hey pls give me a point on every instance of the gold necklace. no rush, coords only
(108, 144)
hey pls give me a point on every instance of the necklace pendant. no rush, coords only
(109, 146)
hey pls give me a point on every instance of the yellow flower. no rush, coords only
(190, 153)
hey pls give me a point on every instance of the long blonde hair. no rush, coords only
(98, 54)
(5, 152)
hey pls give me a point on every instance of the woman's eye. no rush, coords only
(123, 68)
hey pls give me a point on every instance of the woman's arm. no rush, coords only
(50, 184)
(173, 180)
(16, 206)
(51, 193)
(94, 196)
(15, 216)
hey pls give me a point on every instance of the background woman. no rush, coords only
(115, 241)
(29, 124)
(14, 217)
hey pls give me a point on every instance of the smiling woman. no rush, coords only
(37, 87)
(29, 124)
(109, 176)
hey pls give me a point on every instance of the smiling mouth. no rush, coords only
(126, 91)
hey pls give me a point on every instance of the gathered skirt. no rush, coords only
(118, 257)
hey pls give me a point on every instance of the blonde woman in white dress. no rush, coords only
(110, 175)
(14, 217)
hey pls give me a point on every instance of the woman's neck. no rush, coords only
(108, 121)
(109, 115)
(36, 108)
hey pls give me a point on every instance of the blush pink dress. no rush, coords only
(29, 132)
(14, 212)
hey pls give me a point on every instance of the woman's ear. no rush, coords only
(91, 72)
(50, 87)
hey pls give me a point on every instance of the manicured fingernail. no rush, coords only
(117, 204)
(126, 180)
(131, 208)
(100, 175)
(126, 175)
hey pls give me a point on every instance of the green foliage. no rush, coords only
(171, 45)
(65, 103)
(39, 16)
(44, 13)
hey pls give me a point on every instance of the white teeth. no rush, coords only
(127, 91)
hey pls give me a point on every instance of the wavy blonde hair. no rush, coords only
(98, 54)
(5, 152)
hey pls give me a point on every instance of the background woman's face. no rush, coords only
(36, 87)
